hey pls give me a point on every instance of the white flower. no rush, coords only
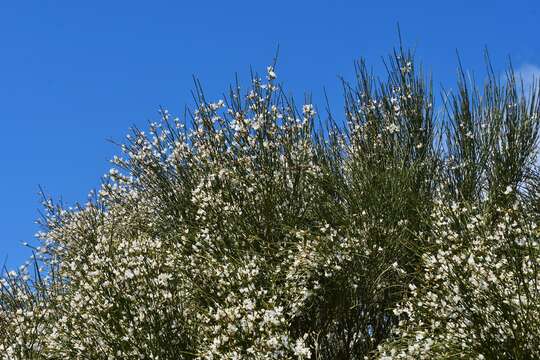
(271, 73)
(308, 110)
(392, 128)
(129, 274)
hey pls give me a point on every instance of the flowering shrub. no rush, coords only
(251, 233)
(479, 294)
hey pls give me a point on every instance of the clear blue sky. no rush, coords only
(74, 73)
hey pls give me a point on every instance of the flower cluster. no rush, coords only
(249, 232)
(478, 295)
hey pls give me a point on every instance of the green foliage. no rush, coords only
(249, 232)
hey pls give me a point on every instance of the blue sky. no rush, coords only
(74, 73)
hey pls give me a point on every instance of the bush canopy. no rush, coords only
(256, 229)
